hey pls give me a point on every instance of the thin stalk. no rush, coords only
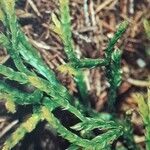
(69, 49)
(144, 109)
(128, 136)
(42, 85)
(113, 68)
(66, 30)
(33, 59)
(91, 63)
(13, 75)
(73, 138)
(147, 136)
(79, 79)
(114, 75)
(26, 127)
(147, 126)
(100, 141)
(20, 97)
(118, 34)
(58, 97)
(10, 21)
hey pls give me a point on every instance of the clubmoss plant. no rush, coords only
(63, 28)
(146, 24)
(49, 94)
(144, 108)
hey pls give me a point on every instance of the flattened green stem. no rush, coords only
(15, 36)
(147, 125)
(99, 142)
(20, 97)
(26, 127)
(128, 139)
(114, 75)
(73, 138)
(13, 75)
(58, 97)
(66, 37)
(90, 63)
(36, 61)
(118, 34)
(73, 147)
(31, 56)
(42, 85)
(106, 139)
(113, 68)
(10, 20)
(4, 40)
(80, 80)
(11, 45)
(146, 25)
(52, 105)
(66, 30)
(14, 54)
(144, 108)
(91, 124)
(147, 135)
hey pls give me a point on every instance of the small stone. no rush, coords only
(141, 63)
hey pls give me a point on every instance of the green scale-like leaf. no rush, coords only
(20, 97)
(42, 85)
(91, 124)
(21, 51)
(26, 127)
(99, 142)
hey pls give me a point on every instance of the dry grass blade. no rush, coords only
(8, 127)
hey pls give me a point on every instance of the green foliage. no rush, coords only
(20, 97)
(24, 128)
(99, 141)
(92, 123)
(128, 136)
(113, 68)
(146, 24)
(144, 108)
(63, 29)
(48, 93)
